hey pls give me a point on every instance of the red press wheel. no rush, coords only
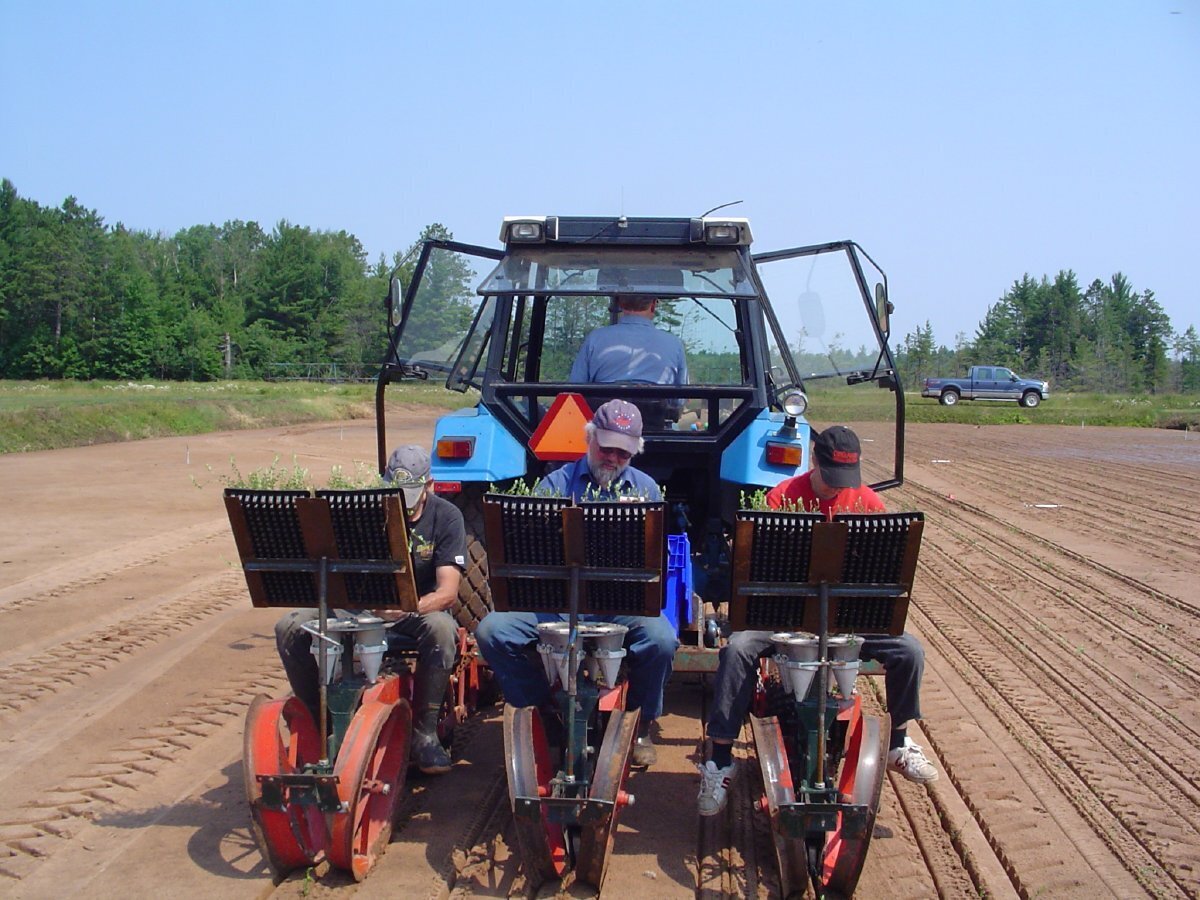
(541, 842)
(279, 739)
(863, 770)
(779, 789)
(370, 769)
(612, 768)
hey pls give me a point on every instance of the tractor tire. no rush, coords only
(474, 593)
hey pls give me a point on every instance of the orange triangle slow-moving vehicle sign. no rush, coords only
(559, 436)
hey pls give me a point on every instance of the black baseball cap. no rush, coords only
(838, 453)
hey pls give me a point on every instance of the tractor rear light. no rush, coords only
(455, 447)
(784, 454)
(447, 487)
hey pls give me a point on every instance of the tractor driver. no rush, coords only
(634, 350)
(437, 546)
(833, 486)
(614, 437)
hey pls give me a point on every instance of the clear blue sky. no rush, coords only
(963, 144)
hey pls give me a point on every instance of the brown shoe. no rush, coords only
(644, 753)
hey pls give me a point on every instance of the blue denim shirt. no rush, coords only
(631, 350)
(575, 480)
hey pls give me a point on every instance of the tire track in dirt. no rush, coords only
(1088, 601)
(96, 568)
(1152, 821)
(1091, 601)
(911, 848)
(37, 828)
(1086, 474)
(1013, 802)
(66, 664)
(1152, 531)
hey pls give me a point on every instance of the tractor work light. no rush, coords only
(795, 403)
(784, 454)
(455, 447)
(528, 229)
(721, 231)
(721, 234)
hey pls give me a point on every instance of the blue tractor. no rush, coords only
(503, 326)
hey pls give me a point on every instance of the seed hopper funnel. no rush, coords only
(370, 644)
(843, 659)
(331, 646)
(600, 649)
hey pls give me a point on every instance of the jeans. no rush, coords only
(436, 635)
(507, 641)
(902, 657)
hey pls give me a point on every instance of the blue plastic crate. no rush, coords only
(677, 601)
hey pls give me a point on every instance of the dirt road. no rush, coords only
(1057, 599)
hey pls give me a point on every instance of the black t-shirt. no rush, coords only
(438, 538)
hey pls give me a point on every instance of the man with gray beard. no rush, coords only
(614, 437)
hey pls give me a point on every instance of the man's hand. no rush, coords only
(388, 615)
(433, 602)
(443, 596)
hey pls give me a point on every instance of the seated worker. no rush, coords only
(438, 548)
(614, 436)
(834, 486)
(633, 350)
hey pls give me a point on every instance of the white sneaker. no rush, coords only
(714, 787)
(910, 762)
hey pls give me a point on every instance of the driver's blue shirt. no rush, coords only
(575, 480)
(631, 350)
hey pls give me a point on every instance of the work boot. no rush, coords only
(429, 754)
(427, 751)
(644, 753)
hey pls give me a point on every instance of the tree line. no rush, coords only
(1107, 338)
(80, 299)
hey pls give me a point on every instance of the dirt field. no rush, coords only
(1057, 599)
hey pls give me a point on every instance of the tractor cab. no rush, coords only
(777, 344)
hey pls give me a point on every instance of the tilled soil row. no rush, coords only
(1087, 740)
(98, 568)
(1099, 505)
(69, 663)
(37, 827)
(1060, 697)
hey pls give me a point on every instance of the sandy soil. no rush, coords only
(1056, 598)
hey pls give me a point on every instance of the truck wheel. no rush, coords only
(949, 398)
(474, 594)
(1031, 399)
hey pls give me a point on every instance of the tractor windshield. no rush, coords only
(695, 272)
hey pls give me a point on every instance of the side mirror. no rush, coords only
(883, 309)
(395, 300)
